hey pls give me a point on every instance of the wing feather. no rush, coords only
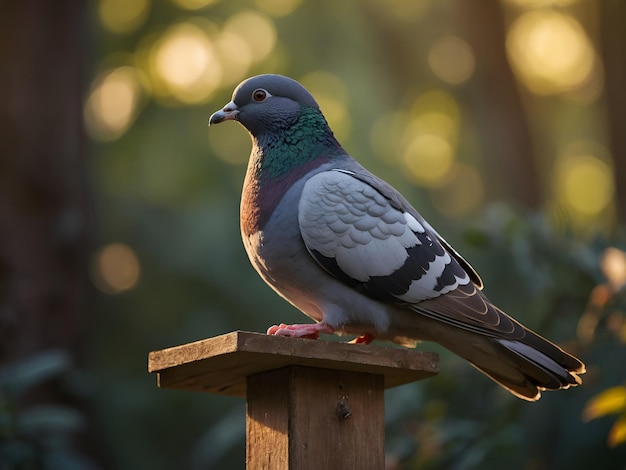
(369, 241)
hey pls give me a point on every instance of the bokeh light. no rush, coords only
(194, 4)
(590, 89)
(331, 93)
(541, 3)
(550, 52)
(430, 138)
(112, 103)
(613, 266)
(437, 101)
(257, 31)
(123, 16)
(184, 64)
(583, 181)
(278, 8)
(405, 10)
(235, 56)
(428, 158)
(115, 268)
(451, 59)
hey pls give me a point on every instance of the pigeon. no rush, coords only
(350, 252)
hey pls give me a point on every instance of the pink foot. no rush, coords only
(363, 339)
(311, 330)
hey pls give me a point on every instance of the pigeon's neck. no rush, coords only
(280, 159)
(308, 139)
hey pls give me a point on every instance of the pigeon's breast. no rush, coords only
(261, 196)
(274, 244)
(272, 237)
(277, 253)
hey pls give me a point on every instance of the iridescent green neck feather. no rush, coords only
(308, 138)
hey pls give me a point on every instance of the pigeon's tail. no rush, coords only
(525, 367)
(468, 324)
(529, 370)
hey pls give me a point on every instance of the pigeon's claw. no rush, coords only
(310, 330)
(363, 339)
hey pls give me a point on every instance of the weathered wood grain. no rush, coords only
(310, 419)
(222, 364)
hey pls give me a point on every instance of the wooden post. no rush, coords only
(311, 404)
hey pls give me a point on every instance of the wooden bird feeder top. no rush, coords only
(222, 364)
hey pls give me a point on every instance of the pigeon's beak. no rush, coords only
(227, 113)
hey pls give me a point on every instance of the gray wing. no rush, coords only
(368, 241)
(360, 230)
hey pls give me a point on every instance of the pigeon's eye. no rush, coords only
(259, 95)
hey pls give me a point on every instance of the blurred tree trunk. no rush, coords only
(507, 144)
(613, 37)
(45, 205)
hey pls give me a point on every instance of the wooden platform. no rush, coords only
(311, 404)
(222, 364)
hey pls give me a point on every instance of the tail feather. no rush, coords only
(525, 367)
(524, 370)
(552, 351)
(539, 365)
(520, 386)
(468, 324)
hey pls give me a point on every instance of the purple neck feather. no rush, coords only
(258, 201)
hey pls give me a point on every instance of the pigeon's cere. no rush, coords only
(350, 252)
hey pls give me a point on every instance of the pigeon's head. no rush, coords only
(266, 103)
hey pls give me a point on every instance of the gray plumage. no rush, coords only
(350, 252)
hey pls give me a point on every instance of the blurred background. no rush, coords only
(502, 121)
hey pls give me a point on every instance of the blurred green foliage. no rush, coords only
(167, 193)
(41, 436)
